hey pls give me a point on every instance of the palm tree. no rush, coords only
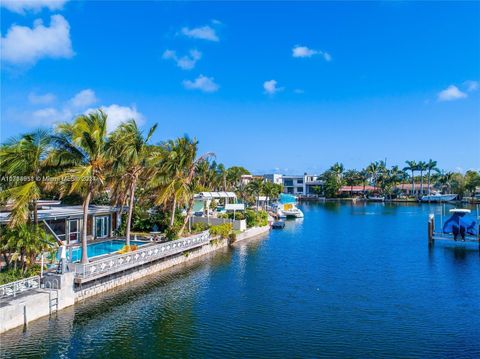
(173, 181)
(422, 167)
(431, 166)
(255, 187)
(81, 152)
(374, 170)
(412, 166)
(446, 180)
(130, 147)
(270, 190)
(351, 179)
(24, 158)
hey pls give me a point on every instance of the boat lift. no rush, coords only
(438, 235)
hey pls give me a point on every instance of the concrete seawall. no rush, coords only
(38, 303)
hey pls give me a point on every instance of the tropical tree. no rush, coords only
(23, 160)
(255, 188)
(173, 182)
(472, 181)
(431, 165)
(271, 190)
(446, 180)
(352, 177)
(130, 147)
(374, 170)
(81, 152)
(412, 166)
(422, 167)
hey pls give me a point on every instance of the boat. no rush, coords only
(286, 207)
(376, 199)
(438, 197)
(278, 225)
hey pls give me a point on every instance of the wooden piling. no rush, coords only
(431, 227)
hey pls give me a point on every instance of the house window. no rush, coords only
(58, 226)
(101, 226)
(288, 183)
(300, 181)
(299, 189)
(74, 226)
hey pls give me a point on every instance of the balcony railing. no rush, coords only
(120, 262)
(14, 288)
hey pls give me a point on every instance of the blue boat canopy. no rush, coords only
(460, 223)
(287, 198)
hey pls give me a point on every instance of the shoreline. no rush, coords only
(36, 304)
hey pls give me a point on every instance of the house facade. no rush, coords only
(298, 185)
(66, 222)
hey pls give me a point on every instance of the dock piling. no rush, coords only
(431, 228)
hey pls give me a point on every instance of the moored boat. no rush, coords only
(437, 197)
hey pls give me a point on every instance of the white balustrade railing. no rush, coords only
(149, 253)
(14, 288)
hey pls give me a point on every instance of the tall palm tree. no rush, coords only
(23, 159)
(255, 187)
(422, 167)
(411, 166)
(81, 151)
(351, 179)
(374, 169)
(446, 180)
(173, 180)
(128, 145)
(431, 166)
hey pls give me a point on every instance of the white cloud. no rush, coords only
(327, 56)
(25, 46)
(49, 116)
(202, 83)
(471, 85)
(117, 114)
(204, 32)
(44, 99)
(304, 51)
(186, 62)
(83, 99)
(271, 88)
(22, 6)
(451, 93)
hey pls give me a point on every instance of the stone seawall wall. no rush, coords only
(107, 283)
(35, 304)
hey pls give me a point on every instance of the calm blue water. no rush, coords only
(346, 281)
(100, 249)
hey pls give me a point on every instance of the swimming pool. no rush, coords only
(100, 249)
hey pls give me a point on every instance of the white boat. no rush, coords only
(376, 199)
(292, 212)
(286, 207)
(437, 197)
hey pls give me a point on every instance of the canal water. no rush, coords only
(349, 281)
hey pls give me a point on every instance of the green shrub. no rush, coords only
(12, 275)
(256, 219)
(199, 227)
(222, 230)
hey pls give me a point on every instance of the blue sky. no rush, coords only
(290, 87)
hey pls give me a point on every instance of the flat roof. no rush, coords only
(59, 212)
(210, 195)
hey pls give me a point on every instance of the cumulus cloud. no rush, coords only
(186, 62)
(451, 93)
(44, 99)
(83, 99)
(202, 83)
(204, 33)
(49, 116)
(25, 46)
(117, 114)
(271, 87)
(304, 51)
(22, 6)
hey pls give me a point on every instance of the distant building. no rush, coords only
(299, 185)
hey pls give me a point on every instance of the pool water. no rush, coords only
(100, 249)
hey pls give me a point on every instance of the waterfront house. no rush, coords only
(299, 185)
(406, 189)
(66, 222)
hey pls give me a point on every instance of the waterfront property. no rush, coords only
(356, 280)
(299, 185)
(66, 222)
